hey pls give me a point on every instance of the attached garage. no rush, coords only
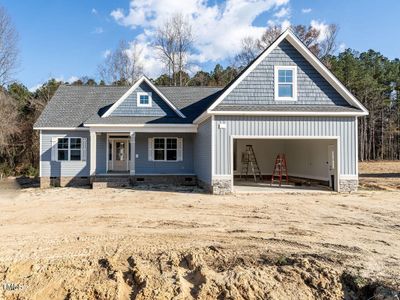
(311, 162)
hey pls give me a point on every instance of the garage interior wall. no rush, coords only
(305, 158)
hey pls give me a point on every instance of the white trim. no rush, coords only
(107, 152)
(309, 56)
(164, 128)
(165, 149)
(286, 113)
(287, 137)
(348, 176)
(356, 141)
(293, 83)
(134, 87)
(150, 98)
(93, 154)
(40, 153)
(69, 148)
(142, 125)
(213, 151)
(61, 128)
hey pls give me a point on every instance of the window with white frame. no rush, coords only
(165, 149)
(69, 149)
(144, 99)
(285, 83)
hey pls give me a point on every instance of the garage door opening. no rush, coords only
(311, 163)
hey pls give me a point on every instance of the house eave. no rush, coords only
(189, 128)
(287, 113)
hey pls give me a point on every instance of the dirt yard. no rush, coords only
(123, 243)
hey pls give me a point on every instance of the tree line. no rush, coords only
(373, 78)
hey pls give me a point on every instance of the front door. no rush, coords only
(120, 155)
(332, 165)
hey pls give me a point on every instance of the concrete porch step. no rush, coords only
(110, 181)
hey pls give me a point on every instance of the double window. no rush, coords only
(285, 83)
(69, 149)
(165, 149)
(144, 99)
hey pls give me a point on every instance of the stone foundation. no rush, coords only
(185, 180)
(221, 186)
(46, 182)
(348, 185)
(204, 185)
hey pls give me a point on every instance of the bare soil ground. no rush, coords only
(123, 243)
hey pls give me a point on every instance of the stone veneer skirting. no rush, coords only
(63, 181)
(221, 186)
(348, 185)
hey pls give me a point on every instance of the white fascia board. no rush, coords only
(61, 128)
(286, 113)
(143, 128)
(134, 87)
(309, 56)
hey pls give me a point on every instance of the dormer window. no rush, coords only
(285, 83)
(144, 99)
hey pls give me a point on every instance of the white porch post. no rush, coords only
(133, 153)
(92, 153)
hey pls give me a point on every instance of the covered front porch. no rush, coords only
(128, 157)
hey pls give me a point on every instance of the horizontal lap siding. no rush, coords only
(202, 151)
(144, 166)
(62, 168)
(344, 127)
(101, 152)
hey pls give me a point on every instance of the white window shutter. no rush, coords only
(54, 141)
(84, 149)
(180, 149)
(151, 149)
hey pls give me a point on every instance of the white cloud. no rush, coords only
(106, 53)
(306, 10)
(94, 11)
(72, 79)
(342, 47)
(322, 28)
(218, 29)
(283, 12)
(98, 30)
(35, 87)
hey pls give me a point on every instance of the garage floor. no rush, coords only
(249, 186)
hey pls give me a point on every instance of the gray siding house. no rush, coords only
(285, 101)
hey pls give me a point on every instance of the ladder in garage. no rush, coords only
(280, 169)
(249, 163)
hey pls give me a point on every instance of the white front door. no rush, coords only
(120, 155)
(332, 165)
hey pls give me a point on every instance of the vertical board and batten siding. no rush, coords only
(129, 106)
(101, 152)
(49, 168)
(258, 87)
(144, 166)
(203, 151)
(343, 127)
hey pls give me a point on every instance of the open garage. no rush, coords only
(310, 163)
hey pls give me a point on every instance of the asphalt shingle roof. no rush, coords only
(71, 106)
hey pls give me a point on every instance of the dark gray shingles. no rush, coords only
(71, 106)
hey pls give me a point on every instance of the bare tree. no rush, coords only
(174, 40)
(122, 66)
(8, 48)
(8, 129)
(310, 36)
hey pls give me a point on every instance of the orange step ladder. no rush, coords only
(280, 168)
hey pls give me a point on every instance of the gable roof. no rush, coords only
(310, 57)
(133, 88)
(72, 106)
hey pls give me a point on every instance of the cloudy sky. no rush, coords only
(68, 39)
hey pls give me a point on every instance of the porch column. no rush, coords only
(92, 153)
(133, 153)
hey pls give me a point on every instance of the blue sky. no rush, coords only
(68, 39)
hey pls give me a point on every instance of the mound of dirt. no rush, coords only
(206, 273)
